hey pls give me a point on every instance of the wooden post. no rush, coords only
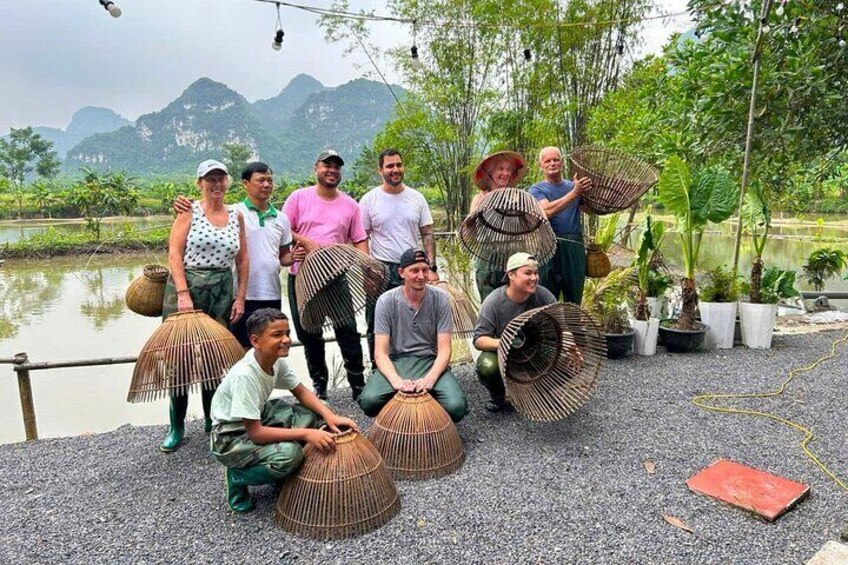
(25, 391)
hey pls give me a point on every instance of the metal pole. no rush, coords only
(25, 391)
(750, 132)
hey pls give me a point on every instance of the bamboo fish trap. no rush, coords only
(417, 438)
(618, 180)
(345, 493)
(146, 293)
(334, 283)
(508, 221)
(188, 351)
(463, 311)
(549, 358)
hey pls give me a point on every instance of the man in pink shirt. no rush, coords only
(321, 215)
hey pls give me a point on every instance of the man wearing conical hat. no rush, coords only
(559, 198)
(503, 169)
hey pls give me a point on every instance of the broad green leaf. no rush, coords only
(674, 186)
(721, 193)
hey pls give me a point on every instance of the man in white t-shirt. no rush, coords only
(269, 238)
(395, 217)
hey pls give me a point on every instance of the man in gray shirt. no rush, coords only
(521, 294)
(412, 342)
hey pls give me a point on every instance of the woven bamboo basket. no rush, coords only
(187, 352)
(341, 494)
(597, 262)
(334, 283)
(549, 358)
(146, 293)
(618, 180)
(463, 311)
(508, 221)
(417, 438)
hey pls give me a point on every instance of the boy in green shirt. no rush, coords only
(259, 440)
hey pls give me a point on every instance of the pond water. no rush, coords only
(12, 231)
(73, 308)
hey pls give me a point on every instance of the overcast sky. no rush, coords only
(57, 56)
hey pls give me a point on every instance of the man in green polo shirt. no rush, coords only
(268, 235)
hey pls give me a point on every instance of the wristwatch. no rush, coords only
(434, 267)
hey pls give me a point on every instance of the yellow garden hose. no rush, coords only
(705, 401)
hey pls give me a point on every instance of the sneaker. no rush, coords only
(496, 405)
(320, 390)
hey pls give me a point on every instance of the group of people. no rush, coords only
(409, 325)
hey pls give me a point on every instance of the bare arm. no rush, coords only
(385, 365)
(286, 257)
(362, 246)
(308, 399)
(443, 355)
(552, 208)
(242, 268)
(176, 257)
(486, 343)
(429, 242)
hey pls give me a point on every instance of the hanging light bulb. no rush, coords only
(840, 7)
(765, 25)
(277, 43)
(111, 7)
(781, 9)
(795, 26)
(619, 45)
(842, 43)
(416, 60)
(528, 55)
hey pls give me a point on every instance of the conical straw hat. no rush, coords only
(550, 358)
(334, 283)
(508, 221)
(519, 169)
(417, 438)
(188, 351)
(341, 494)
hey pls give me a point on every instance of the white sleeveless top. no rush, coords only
(208, 246)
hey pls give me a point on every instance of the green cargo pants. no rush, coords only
(565, 273)
(231, 446)
(446, 391)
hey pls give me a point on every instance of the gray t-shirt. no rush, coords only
(498, 310)
(410, 331)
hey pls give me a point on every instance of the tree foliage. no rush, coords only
(102, 193)
(22, 154)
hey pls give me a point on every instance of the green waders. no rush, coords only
(565, 273)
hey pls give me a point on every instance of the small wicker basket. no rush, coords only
(508, 221)
(618, 180)
(334, 283)
(550, 358)
(189, 350)
(597, 262)
(146, 293)
(341, 494)
(417, 438)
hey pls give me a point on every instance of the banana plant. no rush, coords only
(709, 196)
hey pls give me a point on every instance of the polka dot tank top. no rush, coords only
(208, 246)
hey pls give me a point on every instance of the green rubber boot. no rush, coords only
(238, 496)
(206, 396)
(177, 412)
(489, 375)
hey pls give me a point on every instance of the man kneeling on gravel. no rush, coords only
(522, 293)
(259, 440)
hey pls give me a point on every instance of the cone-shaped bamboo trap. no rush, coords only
(463, 311)
(508, 221)
(549, 358)
(188, 351)
(417, 438)
(618, 180)
(341, 494)
(146, 293)
(333, 284)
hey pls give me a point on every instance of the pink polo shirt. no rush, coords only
(324, 221)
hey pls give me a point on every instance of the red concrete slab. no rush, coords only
(748, 488)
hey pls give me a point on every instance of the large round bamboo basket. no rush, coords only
(334, 283)
(187, 352)
(146, 293)
(550, 358)
(508, 221)
(618, 180)
(417, 438)
(463, 311)
(341, 494)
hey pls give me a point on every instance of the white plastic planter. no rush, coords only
(721, 318)
(645, 340)
(757, 322)
(658, 305)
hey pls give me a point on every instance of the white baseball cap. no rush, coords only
(210, 165)
(518, 260)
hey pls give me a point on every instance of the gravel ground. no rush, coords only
(574, 491)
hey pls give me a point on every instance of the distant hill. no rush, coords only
(85, 122)
(287, 130)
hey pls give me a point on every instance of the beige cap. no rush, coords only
(518, 260)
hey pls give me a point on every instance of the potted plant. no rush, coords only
(606, 301)
(717, 303)
(758, 319)
(649, 279)
(823, 264)
(708, 197)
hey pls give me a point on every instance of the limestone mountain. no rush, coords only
(85, 122)
(287, 130)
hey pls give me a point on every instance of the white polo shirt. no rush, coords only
(265, 234)
(394, 221)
